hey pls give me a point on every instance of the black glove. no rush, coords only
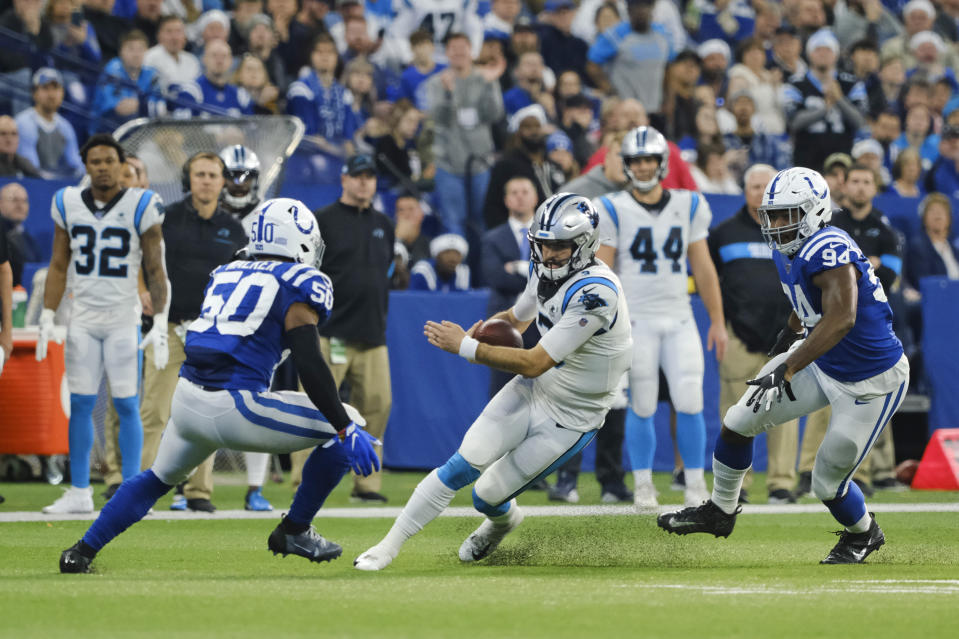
(770, 387)
(784, 340)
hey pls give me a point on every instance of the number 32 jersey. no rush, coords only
(105, 245)
(238, 339)
(651, 244)
(871, 347)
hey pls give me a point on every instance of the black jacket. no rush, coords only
(359, 261)
(516, 163)
(500, 247)
(875, 237)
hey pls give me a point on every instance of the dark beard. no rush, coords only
(533, 145)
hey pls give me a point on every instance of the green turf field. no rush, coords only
(591, 576)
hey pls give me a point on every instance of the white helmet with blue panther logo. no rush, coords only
(801, 193)
(564, 218)
(284, 227)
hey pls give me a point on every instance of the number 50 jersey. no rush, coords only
(651, 243)
(105, 245)
(238, 339)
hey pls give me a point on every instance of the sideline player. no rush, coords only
(556, 402)
(253, 312)
(838, 349)
(102, 232)
(647, 233)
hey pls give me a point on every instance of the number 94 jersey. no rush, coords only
(105, 245)
(651, 244)
(871, 347)
(238, 339)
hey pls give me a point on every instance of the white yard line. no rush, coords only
(461, 511)
(840, 587)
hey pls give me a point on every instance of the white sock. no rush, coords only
(506, 519)
(727, 482)
(430, 498)
(694, 478)
(862, 525)
(644, 476)
(256, 464)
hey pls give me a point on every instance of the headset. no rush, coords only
(185, 173)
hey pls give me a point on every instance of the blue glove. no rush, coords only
(359, 447)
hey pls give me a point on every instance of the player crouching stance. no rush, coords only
(553, 407)
(849, 359)
(252, 312)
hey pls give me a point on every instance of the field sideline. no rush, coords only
(581, 571)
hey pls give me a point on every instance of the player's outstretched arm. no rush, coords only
(507, 315)
(840, 299)
(707, 283)
(528, 362)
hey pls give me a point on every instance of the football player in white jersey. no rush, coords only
(647, 233)
(559, 398)
(254, 313)
(102, 234)
(439, 18)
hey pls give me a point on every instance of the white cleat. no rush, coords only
(488, 536)
(74, 500)
(696, 495)
(376, 558)
(644, 496)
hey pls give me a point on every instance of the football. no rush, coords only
(499, 332)
(906, 471)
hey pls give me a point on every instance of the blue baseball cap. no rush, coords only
(45, 76)
(357, 164)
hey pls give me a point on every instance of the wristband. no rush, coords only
(468, 348)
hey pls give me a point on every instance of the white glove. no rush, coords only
(46, 333)
(158, 337)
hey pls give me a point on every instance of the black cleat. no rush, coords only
(707, 518)
(370, 497)
(309, 544)
(853, 548)
(200, 505)
(110, 491)
(72, 560)
(804, 488)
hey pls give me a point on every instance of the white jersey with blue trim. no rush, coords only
(439, 18)
(586, 329)
(105, 245)
(238, 340)
(651, 244)
(871, 347)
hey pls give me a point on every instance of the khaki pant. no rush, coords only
(111, 449)
(158, 387)
(367, 369)
(880, 463)
(737, 366)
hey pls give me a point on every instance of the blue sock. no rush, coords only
(487, 509)
(691, 439)
(457, 472)
(130, 436)
(129, 505)
(81, 438)
(640, 440)
(323, 470)
(737, 456)
(849, 508)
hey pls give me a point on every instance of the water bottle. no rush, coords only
(19, 306)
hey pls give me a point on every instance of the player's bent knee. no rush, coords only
(834, 463)
(488, 509)
(641, 406)
(457, 472)
(732, 437)
(742, 421)
(690, 401)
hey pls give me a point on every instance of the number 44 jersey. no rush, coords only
(105, 246)
(651, 243)
(871, 347)
(238, 339)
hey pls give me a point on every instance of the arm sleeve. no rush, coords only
(608, 221)
(27, 129)
(525, 307)
(700, 217)
(422, 277)
(828, 253)
(592, 308)
(299, 102)
(315, 375)
(152, 214)
(58, 210)
(603, 49)
(312, 288)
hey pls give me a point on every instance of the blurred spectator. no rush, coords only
(943, 177)
(409, 228)
(576, 120)
(530, 87)
(716, 57)
(213, 88)
(147, 18)
(746, 146)
(769, 18)
(930, 51)
(25, 18)
(763, 85)
(932, 252)
(107, 27)
(358, 80)
(679, 102)
(864, 19)
(412, 85)
(868, 152)
(445, 272)
(323, 103)
(917, 16)
(213, 25)
(262, 44)
(863, 61)
(947, 22)
(825, 108)
(397, 159)
(916, 136)
(631, 58)
(463, 103)
(251, 76)
(835, 169)
(807, 16)
(455, 18)
(295, 40)
(72, 35)
(885, 88)
(711, 172)
(14, 210)
(727, 20)
(559, 151)
(707, 132)
(173, 64)
(885, 129)
(365, 34)
(562, 51)
(906, 173)
(241, 22)
(498, 23)
(126, 89)
(525, 38)
(11, 163)
(525, 155)
(47, 140)
(787, 53)
(604, 178)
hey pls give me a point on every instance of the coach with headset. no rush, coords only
(200, 235)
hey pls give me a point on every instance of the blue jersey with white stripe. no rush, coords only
(238, 339)
(871, 347)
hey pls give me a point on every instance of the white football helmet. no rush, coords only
(242, 173)
(564, 217)
(804, 195)
(645, 141)
(284, 227)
